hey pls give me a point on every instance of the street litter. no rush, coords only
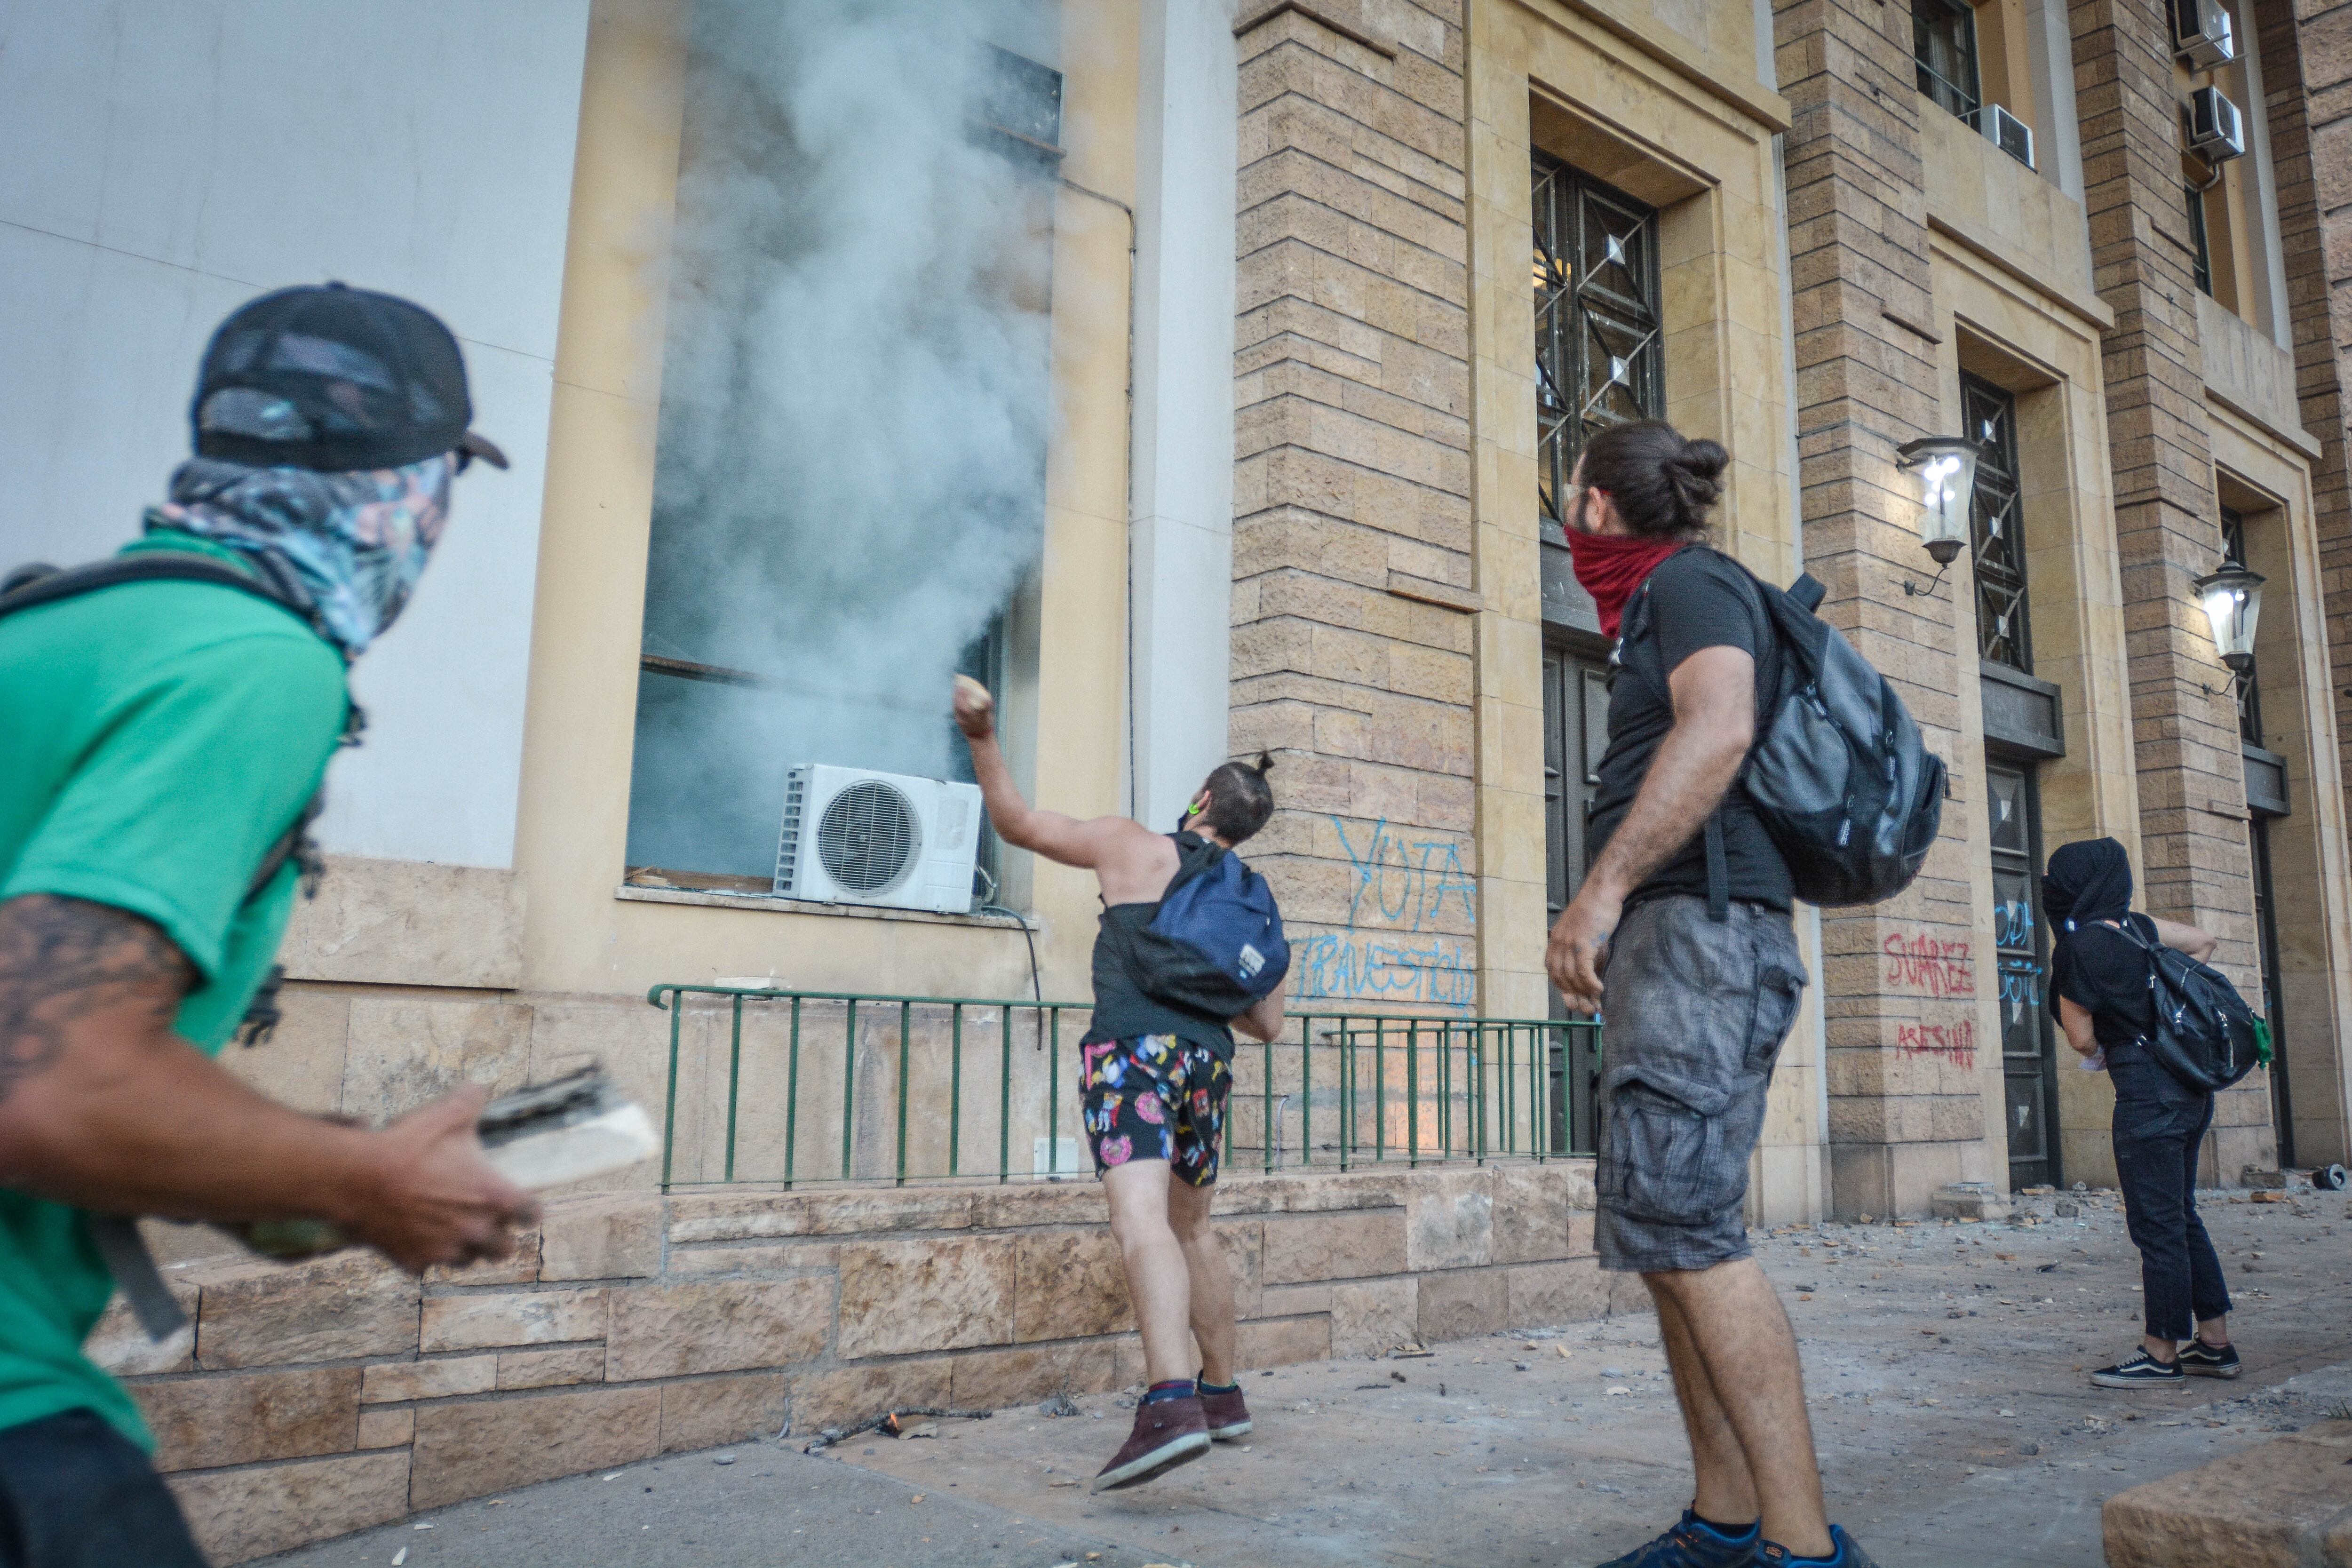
(399, 1557)
(1060, 1405)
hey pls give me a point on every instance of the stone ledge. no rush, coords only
(2286, 1504)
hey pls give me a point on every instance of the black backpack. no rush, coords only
(2205, 1034)
(1838, 773)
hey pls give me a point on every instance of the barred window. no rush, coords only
(1944, 47)
(1599, 356)
(2004, 634)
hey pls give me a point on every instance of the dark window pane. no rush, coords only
(1944, 47)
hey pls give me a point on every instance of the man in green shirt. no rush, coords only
(163, 738)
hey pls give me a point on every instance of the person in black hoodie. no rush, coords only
(1153, 1081)
(2099, 993)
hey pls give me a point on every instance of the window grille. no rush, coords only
(2003, 633)
(1600, 353)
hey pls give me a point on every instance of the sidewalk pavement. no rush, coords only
(1945, 1364)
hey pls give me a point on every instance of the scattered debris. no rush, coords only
(1565, 1353)
(1521, 1366)
(1060, 1405)
(927, 1429)
(1407, 1351)
(427, 1524)
(1615, 1389)
(399, 1557)
(722, 1459)
(1396, 1377)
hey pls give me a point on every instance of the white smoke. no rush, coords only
(855, 403)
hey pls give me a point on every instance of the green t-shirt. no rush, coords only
(156, 738)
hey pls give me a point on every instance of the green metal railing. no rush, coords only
(800, 1087)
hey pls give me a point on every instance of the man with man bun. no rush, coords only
(1154, 1078)
(1686, 909)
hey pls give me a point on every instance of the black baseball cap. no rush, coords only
(333, 378)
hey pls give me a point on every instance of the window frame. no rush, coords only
(1995, 523)
(1960, 100)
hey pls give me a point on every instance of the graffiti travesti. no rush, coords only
(1929, 964)
(1395, 947)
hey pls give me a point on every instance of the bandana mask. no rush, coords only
(356, 542)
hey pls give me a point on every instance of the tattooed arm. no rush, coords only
(103, 1107)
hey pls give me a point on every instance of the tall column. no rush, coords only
(1353, 600)
(1900, 1116)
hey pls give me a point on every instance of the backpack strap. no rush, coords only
(34, 588)
(1718, 871)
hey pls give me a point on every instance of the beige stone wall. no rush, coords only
(316, 1399)
(1354, 606)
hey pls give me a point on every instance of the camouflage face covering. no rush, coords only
(357, 542)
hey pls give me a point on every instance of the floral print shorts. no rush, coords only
(1155, 1096)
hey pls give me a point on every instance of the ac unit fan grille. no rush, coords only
(867, 836)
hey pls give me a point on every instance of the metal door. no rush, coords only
(1576, 732)
(2028, 1060)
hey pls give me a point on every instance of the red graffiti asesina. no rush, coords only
(1936, 966)
(1955, 1043)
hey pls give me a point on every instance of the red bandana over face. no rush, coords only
(1611, 565)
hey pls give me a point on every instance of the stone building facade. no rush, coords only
(1449, 238)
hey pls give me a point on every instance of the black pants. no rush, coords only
(2158, 1124)
(76, 1493)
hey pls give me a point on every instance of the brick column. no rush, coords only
(2194, 864)
(1866, 383)
(1353, 604)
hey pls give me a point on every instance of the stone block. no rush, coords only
(409, 922)
(1281, 1341)
(340, 1308)
(1042, 1203)
(1458, 1305)
(817, 1214)
(472, 1447)
(512, 1318)
(551, 1369)
(1301, 1250)
(993, 1380)
(1533, 1212)
(119, 1345)
(2284, 1504)
(708, 1411)
(1243, 1243)
(1292, 1301)
(846, 1395)
(403, 1052)
(521, 1268)
(1068, 1286)
(386, 1428)
(1369, 1316)
(1449, 1220)
(1628, 1297)
(1541, 1295)
(710, 1259)
(670, 1330)
(1970, 1200)
(601, 1238)
(204, 1423)
(390, 1383)
(237, 1515)
(942, 1294)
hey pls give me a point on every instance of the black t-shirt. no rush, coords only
(2098, 969)
(1699, 598)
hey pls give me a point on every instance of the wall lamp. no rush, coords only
(2233, 597)
(1945, 470)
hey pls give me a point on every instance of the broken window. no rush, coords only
(849, 474)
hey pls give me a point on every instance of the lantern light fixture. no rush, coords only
(1944, 468)
(2233, 597)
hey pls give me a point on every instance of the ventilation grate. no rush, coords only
(867, 836)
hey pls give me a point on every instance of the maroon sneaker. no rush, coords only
(1167, 1433)
(1227, 1415)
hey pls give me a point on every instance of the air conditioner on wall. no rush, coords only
(2201, 35)
(852, 836)
(2216, 132)
(2007, 132)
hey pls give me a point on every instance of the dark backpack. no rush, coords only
(1215, 943)
(2205, 1034)
(1838, 773)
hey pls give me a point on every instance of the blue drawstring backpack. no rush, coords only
(1215, 943)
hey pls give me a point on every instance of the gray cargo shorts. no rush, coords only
(1697, 1011)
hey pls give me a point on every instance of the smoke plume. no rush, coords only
(856, 402)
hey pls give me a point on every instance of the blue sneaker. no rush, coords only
(1692, 1544)
(1845, 1552)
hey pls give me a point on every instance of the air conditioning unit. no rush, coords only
(2216, 132)
(855, 836)
(2201, 35)
(2007, 132)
